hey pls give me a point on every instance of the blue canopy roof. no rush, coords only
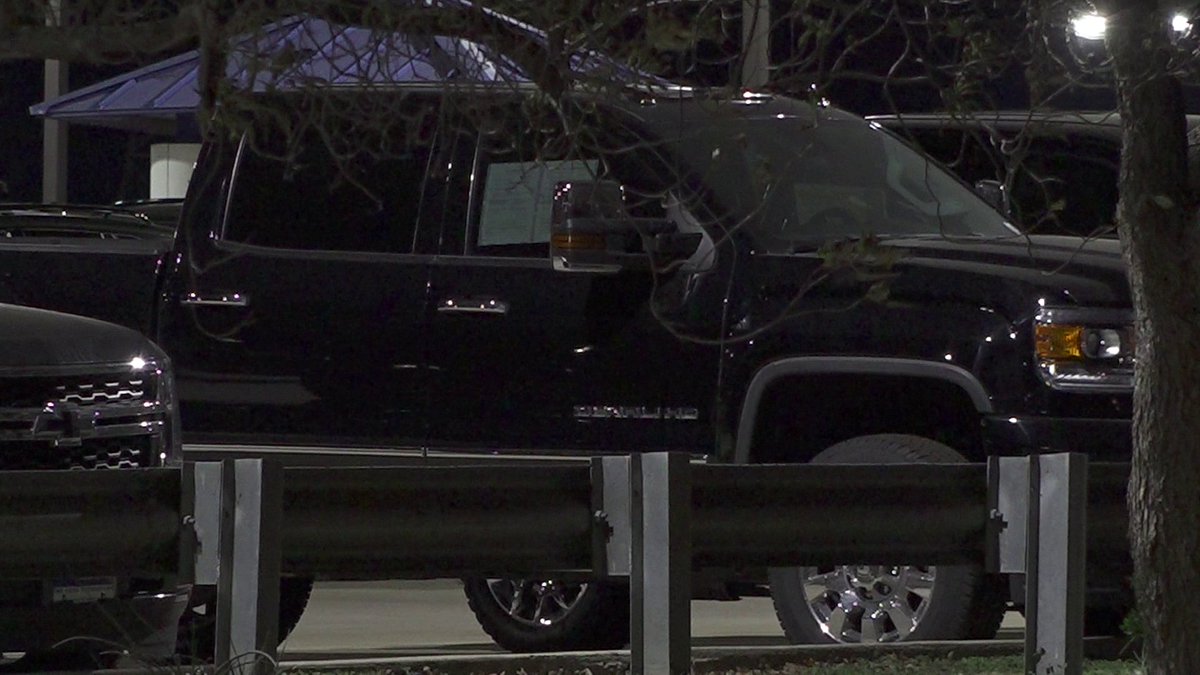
(299, 52)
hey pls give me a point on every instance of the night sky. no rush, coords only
(107, 165)
(104, 166)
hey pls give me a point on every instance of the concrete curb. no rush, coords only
(705, 660)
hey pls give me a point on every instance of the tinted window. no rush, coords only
(1061, 184)
(297, 192)
(508, 158)
(520, 160)
(793, 180)
(1063, 188)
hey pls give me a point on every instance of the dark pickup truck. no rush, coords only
(473, 283)
(82, 394)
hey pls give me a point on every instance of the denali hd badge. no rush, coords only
(634, 412)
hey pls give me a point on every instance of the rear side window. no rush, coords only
(298, 192)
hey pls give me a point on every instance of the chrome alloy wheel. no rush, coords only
(868, 603)
(538, 603)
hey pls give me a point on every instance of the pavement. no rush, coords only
(424, 628)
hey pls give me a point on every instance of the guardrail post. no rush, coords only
(1056, 550)
(1040, 505)
(611, 507)
(1008, 505)
(189, 543)
(661, 585)
(206, 514)
(249, 568)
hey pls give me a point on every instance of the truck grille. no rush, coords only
(95, 420)
(80, 390)
(97, 453)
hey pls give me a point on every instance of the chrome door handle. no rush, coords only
(221, 300)
(472, 306)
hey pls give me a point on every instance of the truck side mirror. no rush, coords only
(993, 192)
(590, 230)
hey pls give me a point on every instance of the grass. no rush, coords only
(923, 665)
(885, 665)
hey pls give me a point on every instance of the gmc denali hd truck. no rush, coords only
(749, 279)
(82, 394)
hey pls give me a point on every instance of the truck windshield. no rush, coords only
(794, 181)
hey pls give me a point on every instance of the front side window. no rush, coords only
(522, 155)
(518, 196)
(511, 153)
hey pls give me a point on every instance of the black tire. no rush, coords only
(198, 628)
(597, 617)
(962, 601)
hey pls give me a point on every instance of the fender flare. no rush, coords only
(847, 365)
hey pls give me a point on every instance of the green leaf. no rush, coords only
(1163, 202)
(878, 292)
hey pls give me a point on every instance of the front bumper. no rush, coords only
(145, 624)
(1102, 440)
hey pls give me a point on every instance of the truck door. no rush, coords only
(296, 308)
(527, 359)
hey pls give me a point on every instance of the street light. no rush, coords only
(1089, 26)
(1092, 26)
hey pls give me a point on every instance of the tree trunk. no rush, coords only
(1158, 227)
(213, 52)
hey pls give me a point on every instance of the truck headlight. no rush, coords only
(1085, 350)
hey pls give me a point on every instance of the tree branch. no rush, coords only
(101, 42)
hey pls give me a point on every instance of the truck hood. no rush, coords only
(1013, 275)
(36, 338)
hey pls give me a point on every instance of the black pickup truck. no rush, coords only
(471, 282)
(82, 394)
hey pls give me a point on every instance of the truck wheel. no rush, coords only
(525, 615)
(883, 603)
(198, 626)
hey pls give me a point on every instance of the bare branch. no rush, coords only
(108, 39)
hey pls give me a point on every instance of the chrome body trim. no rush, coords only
(223, 300)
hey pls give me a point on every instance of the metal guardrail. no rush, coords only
(654, 518)
(757, 515)
(92, 523)
(436, 522)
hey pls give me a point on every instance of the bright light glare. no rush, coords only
(1181, 24)
(137, 363)
(1089, 26)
